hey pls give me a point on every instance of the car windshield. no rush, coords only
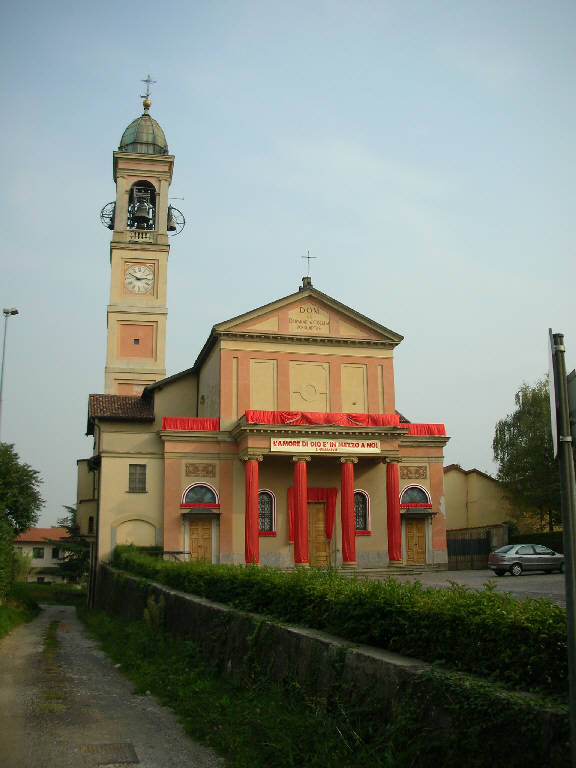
(507, 548)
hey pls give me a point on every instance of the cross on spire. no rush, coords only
(148, 82)
(308, 258)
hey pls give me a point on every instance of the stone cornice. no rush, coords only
(196, 436)
(419, 441)
(282, 338)
(286, 430)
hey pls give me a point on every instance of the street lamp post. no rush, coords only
(7, 313)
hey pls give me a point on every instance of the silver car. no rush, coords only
(516, 558)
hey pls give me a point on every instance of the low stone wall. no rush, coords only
(363, 677)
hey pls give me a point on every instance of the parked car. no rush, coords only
(516, 558)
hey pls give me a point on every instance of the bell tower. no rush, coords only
(141, 219)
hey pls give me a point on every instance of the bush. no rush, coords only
(520, 642)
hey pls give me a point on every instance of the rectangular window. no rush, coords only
(91, 524)
(55, 553)
(137, 478)
(38, 552)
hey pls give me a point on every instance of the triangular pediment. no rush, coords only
(309, 313)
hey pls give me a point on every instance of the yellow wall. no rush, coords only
(473, 499)
(209, 386)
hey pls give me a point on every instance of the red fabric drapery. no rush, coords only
(299, 418)
(423, 506)
(329, 495)
(393, 513)
(426, 429)
(251, 543)
(347, 513)
(300, 512)
(190, 424)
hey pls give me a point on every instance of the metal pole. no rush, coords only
(7, 313)
(568, 504)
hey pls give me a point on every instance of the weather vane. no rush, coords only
(308, 257)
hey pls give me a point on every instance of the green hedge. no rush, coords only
(520, 642)
(6, 556)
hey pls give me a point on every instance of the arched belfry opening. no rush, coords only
(142, 206)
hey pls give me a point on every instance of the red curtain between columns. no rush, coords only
(329, 495)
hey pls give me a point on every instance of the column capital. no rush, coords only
(348, 460)
(301, 458)
(251, 457)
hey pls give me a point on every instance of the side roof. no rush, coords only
(118, 408)
(35, 535)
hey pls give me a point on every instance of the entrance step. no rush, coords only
(393, 570)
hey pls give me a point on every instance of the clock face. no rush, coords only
(139, 279)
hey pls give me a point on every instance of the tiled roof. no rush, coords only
(450, 467)
(41, 534)
(124, 407)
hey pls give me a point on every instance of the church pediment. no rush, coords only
(309, 313)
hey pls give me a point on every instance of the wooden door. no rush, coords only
(201, 540)
(415, 533)
(318, 543)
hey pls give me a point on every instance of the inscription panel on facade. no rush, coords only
(306, 445)
(413, 473)
(309, 318)
(200, 470)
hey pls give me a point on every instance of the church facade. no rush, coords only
(281, 445)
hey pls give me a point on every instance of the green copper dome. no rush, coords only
(144, 135)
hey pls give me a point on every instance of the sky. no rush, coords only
(421, 151)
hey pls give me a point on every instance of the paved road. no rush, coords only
(550, 586)
(75, 710)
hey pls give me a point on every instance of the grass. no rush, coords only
(18, 609)
(53, 693)
(255, 723)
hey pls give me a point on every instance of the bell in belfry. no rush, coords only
(142, 215)
(171, 223)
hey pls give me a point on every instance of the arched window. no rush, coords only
(361, 512)
(266, 513)
(200, 495)
(415, 496)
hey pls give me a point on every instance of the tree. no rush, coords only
(20, 498)
(523, 449)
(75, 561)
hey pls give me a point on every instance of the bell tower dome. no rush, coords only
(141, 220)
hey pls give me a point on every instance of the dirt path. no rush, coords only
(72, 709)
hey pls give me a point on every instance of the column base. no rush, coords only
(395, 562)
(301, 565)
(350, 565)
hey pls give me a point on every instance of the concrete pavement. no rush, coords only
(73, 709)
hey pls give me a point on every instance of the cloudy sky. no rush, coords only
(422, 151)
